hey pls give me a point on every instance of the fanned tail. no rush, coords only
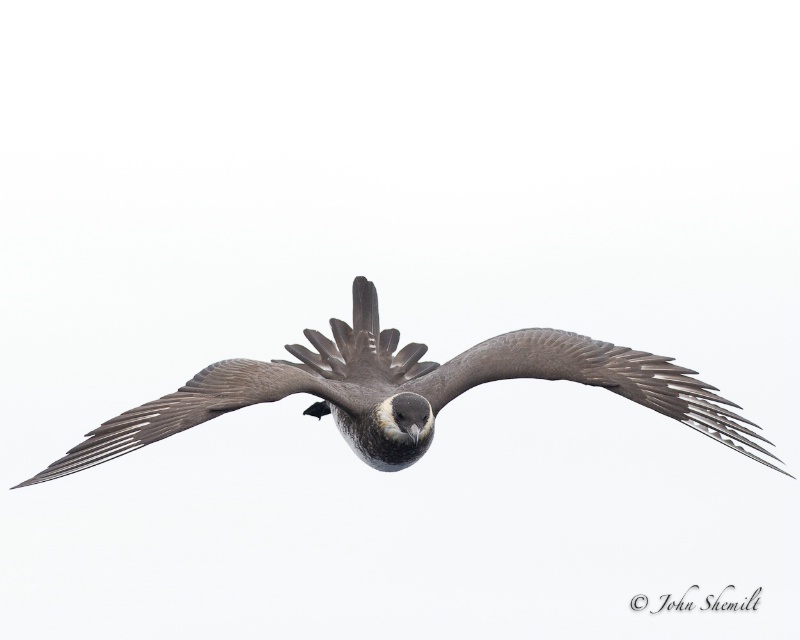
(362, 348)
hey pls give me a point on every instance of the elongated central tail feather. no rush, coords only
(365, 307)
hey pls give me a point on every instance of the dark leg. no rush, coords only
(318, 409)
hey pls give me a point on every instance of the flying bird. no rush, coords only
(385, 402)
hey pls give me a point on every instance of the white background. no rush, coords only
(186, 182)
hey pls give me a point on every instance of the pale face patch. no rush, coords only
(390, 429)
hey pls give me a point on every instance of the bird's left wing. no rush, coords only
(645, 378)
(219, 388)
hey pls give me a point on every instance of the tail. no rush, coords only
(362, 346)
(365, 307)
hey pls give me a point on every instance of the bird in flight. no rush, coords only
(385, 402)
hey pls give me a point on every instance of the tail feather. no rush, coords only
(390, 338)
(364, 343)
(408, 356)
(309, 358)
(365, 307)
(420, 369)
(387, 345)
(326, 348)
(343, 335)
(363, 347)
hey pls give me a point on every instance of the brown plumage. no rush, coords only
(385, 403)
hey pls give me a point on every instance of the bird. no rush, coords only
(385, 402)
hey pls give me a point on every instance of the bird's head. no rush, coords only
(406, 418)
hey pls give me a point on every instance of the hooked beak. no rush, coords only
(414, 433)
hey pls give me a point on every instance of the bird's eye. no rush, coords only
(425, 419)
(399, 416)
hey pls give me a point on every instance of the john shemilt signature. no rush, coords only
(711, 603)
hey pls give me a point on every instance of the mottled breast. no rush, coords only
(369, 441)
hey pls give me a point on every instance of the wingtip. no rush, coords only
(786, 473)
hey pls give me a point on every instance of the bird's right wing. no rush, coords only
(550, 354)
(219, 388)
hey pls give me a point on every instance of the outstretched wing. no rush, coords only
(551, 354)
(219, 388)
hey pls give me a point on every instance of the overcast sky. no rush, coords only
(182, 183)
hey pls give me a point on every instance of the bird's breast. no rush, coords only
(370, 445)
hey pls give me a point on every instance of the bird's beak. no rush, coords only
(414, 433)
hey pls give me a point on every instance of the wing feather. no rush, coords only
(219, 388)
(645, 378)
